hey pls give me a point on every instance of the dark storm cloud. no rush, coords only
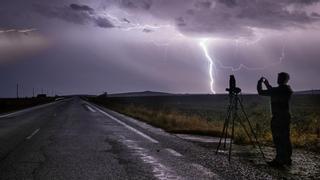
(125, 20)
(303, 1)
(238, 17)
(229, 18)
(147, 30)
(203, 5)
(78, 7)
(314, 14)
(140, 4)
(75, 13)
(229, 3)
(103, 22)
(64, 13)
(180, 22)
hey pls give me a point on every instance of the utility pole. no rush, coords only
(17, 91)
(318, 130)
(32, 92)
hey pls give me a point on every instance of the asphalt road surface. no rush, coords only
(73, 139)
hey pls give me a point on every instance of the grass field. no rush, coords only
(14, 104)
(205, 114)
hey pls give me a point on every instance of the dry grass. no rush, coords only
(170, 121)
(194, 118)
(176, 122)
(179, 123)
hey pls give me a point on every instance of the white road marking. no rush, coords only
(159, 170)
(173, 152)
(34, 133)
(58, 99)
(92, 110)
(204, 139)
(143, 125)
(205, 171)
(127, 126)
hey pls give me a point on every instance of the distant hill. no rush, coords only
(308, 92)
(154, 93)
(144, 93)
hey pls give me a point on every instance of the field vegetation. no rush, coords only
(205, 114)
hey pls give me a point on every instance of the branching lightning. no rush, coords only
(18, 30)
(127, 25)
(243, 66)
(213, 62)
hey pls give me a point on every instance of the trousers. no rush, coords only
(280, 128)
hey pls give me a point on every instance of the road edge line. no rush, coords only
(124, 124)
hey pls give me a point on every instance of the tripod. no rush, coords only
(231, 117)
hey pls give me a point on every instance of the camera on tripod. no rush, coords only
(233, 117)
(233, 89)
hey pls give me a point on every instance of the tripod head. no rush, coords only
(233, 89)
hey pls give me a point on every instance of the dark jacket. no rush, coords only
(280, 97)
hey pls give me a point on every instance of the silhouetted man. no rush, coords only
(280, 123)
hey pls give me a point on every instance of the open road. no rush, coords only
(73, 139)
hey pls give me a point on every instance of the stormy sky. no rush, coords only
(92, 46)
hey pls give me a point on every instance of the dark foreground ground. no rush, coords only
(73, 139)
(14, 104)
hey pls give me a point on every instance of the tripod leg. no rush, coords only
(231, 110)
(251, 129)
(226, 132)
(231, 140)
(246, 131)
(225, 127)
(221, 137)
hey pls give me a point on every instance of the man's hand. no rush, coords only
(259, 87)
(266, 82)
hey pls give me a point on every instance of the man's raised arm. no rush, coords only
(259, 87)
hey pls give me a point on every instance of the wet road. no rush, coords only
(73, 139)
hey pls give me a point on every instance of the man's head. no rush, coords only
(283, 78)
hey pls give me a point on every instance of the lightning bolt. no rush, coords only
(212, 66)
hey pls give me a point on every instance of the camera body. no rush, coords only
(233, 89)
